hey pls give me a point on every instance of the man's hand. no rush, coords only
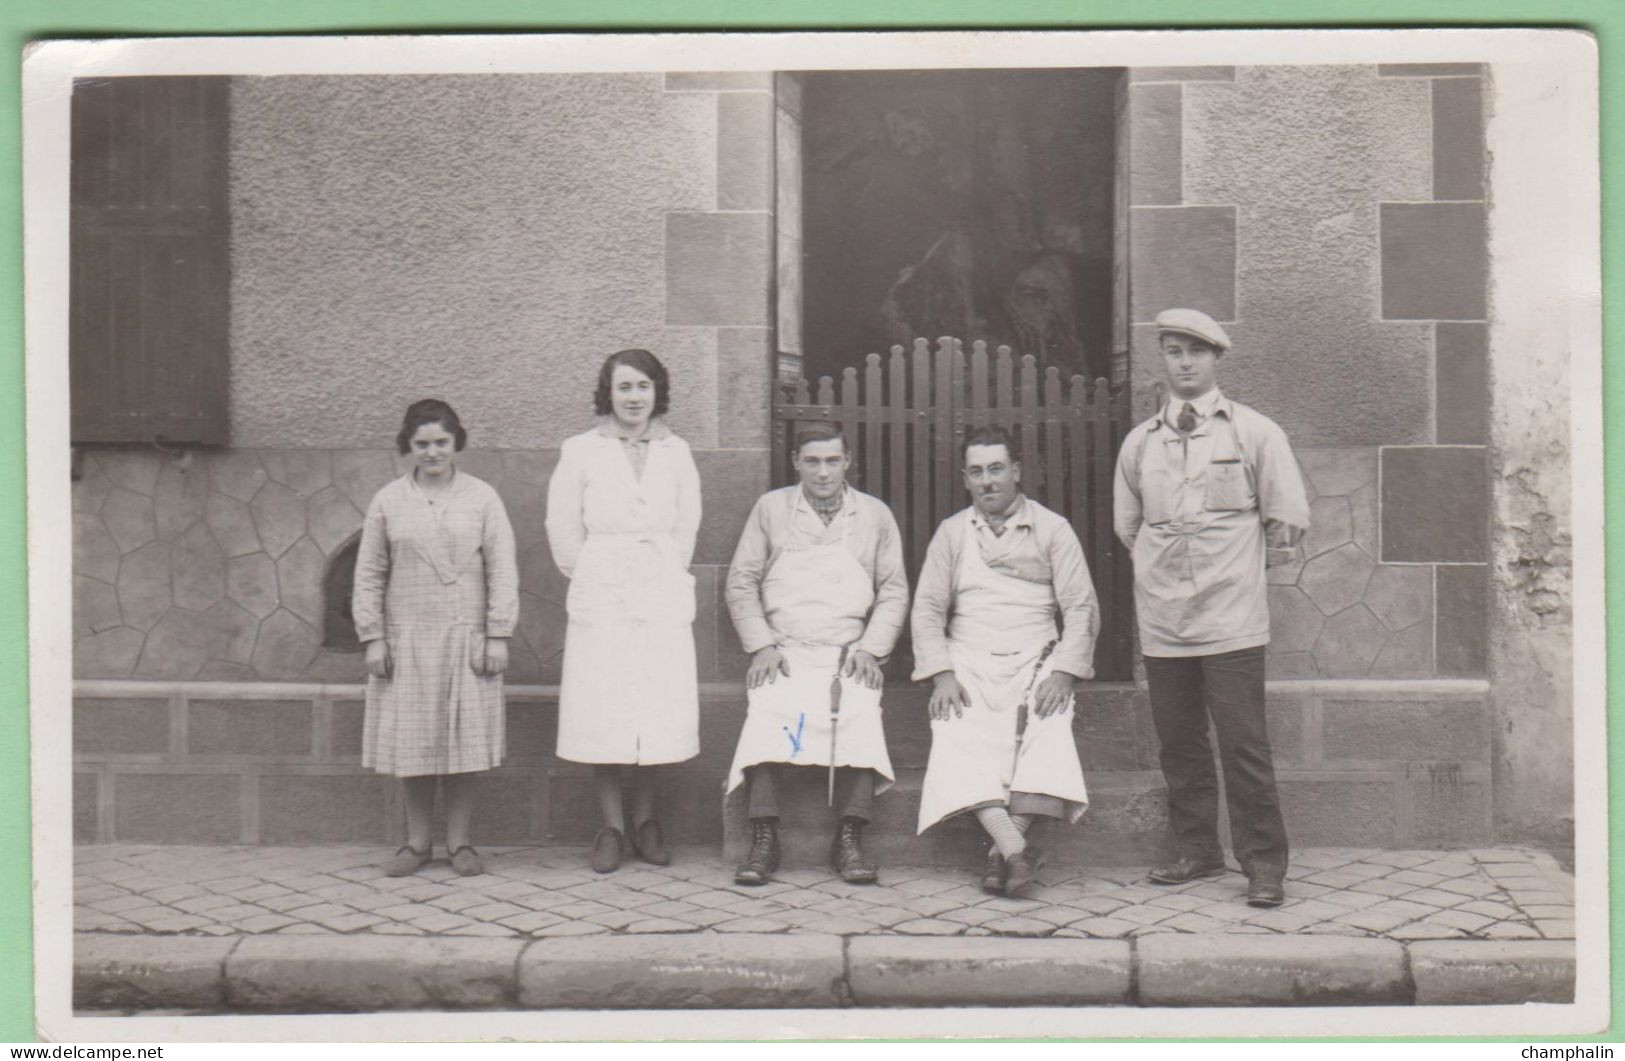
(492, 660)
(1052, 693)
(766, 665)
(863, 668)
(948, 695)
(378, 662)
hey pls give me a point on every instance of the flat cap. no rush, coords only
(1193, 322)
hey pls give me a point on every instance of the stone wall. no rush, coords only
(212, 567)
(1333, 219)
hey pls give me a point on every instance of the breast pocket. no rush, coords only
(1227, 487)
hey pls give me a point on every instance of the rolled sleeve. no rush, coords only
(743, 587)
(891, 588)
(932, 597)
(1075, 593)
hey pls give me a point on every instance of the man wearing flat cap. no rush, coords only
(1207, 495)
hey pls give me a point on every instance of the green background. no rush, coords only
(24, 20)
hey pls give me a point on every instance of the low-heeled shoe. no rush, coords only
(466, 862)
(650, 843)
(607, 848)
(407, 861)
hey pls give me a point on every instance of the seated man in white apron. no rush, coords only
(818, 593)
(984, 628)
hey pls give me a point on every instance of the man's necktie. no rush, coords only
(1187, 419)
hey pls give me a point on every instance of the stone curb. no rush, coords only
(1219, 970)
(683, 971)
(147, 972)
(989, 971)
(329, 974)
(1456, 972)
(367, 973)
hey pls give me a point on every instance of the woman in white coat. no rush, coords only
(623, 509)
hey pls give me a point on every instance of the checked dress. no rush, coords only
(435, 578)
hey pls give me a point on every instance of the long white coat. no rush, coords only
(630, 691)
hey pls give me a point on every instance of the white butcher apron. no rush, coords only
(811, 591)
(630, 692)
(996, 638)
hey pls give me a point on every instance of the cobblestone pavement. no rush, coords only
(1498, 894)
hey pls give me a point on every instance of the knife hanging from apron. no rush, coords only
(1026, 699)
(834, 718)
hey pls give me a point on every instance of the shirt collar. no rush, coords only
(451, 487)
(1213, 403)
(1020, 516)
(609, 427)
(832, 505)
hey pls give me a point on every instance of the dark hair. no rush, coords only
(644, 362)
(990, 435)
(429, 411)
(820, 431)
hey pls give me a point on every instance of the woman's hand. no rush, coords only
(379, 663)
(863, 668)
(491, 657)
(1053, 693)
(766, 665)
(496, 656)
(948, 695)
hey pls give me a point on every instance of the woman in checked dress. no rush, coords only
(623, 510)
(436, 599)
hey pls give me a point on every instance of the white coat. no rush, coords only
(630, 692)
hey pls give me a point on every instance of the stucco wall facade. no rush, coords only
(485, 239)
(488, 240)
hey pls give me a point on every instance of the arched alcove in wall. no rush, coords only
(338, 622)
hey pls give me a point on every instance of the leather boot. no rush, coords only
(993, 872)
(763, 860)
(846, 854)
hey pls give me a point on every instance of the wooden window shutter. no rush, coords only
(150, 260)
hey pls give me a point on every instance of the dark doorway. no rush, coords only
(977, 204)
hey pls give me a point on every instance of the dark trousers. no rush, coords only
(854, 790)
(1227, 688)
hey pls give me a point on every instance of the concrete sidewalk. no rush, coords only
(314, 929)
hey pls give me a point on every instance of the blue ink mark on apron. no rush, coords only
(795, 738)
